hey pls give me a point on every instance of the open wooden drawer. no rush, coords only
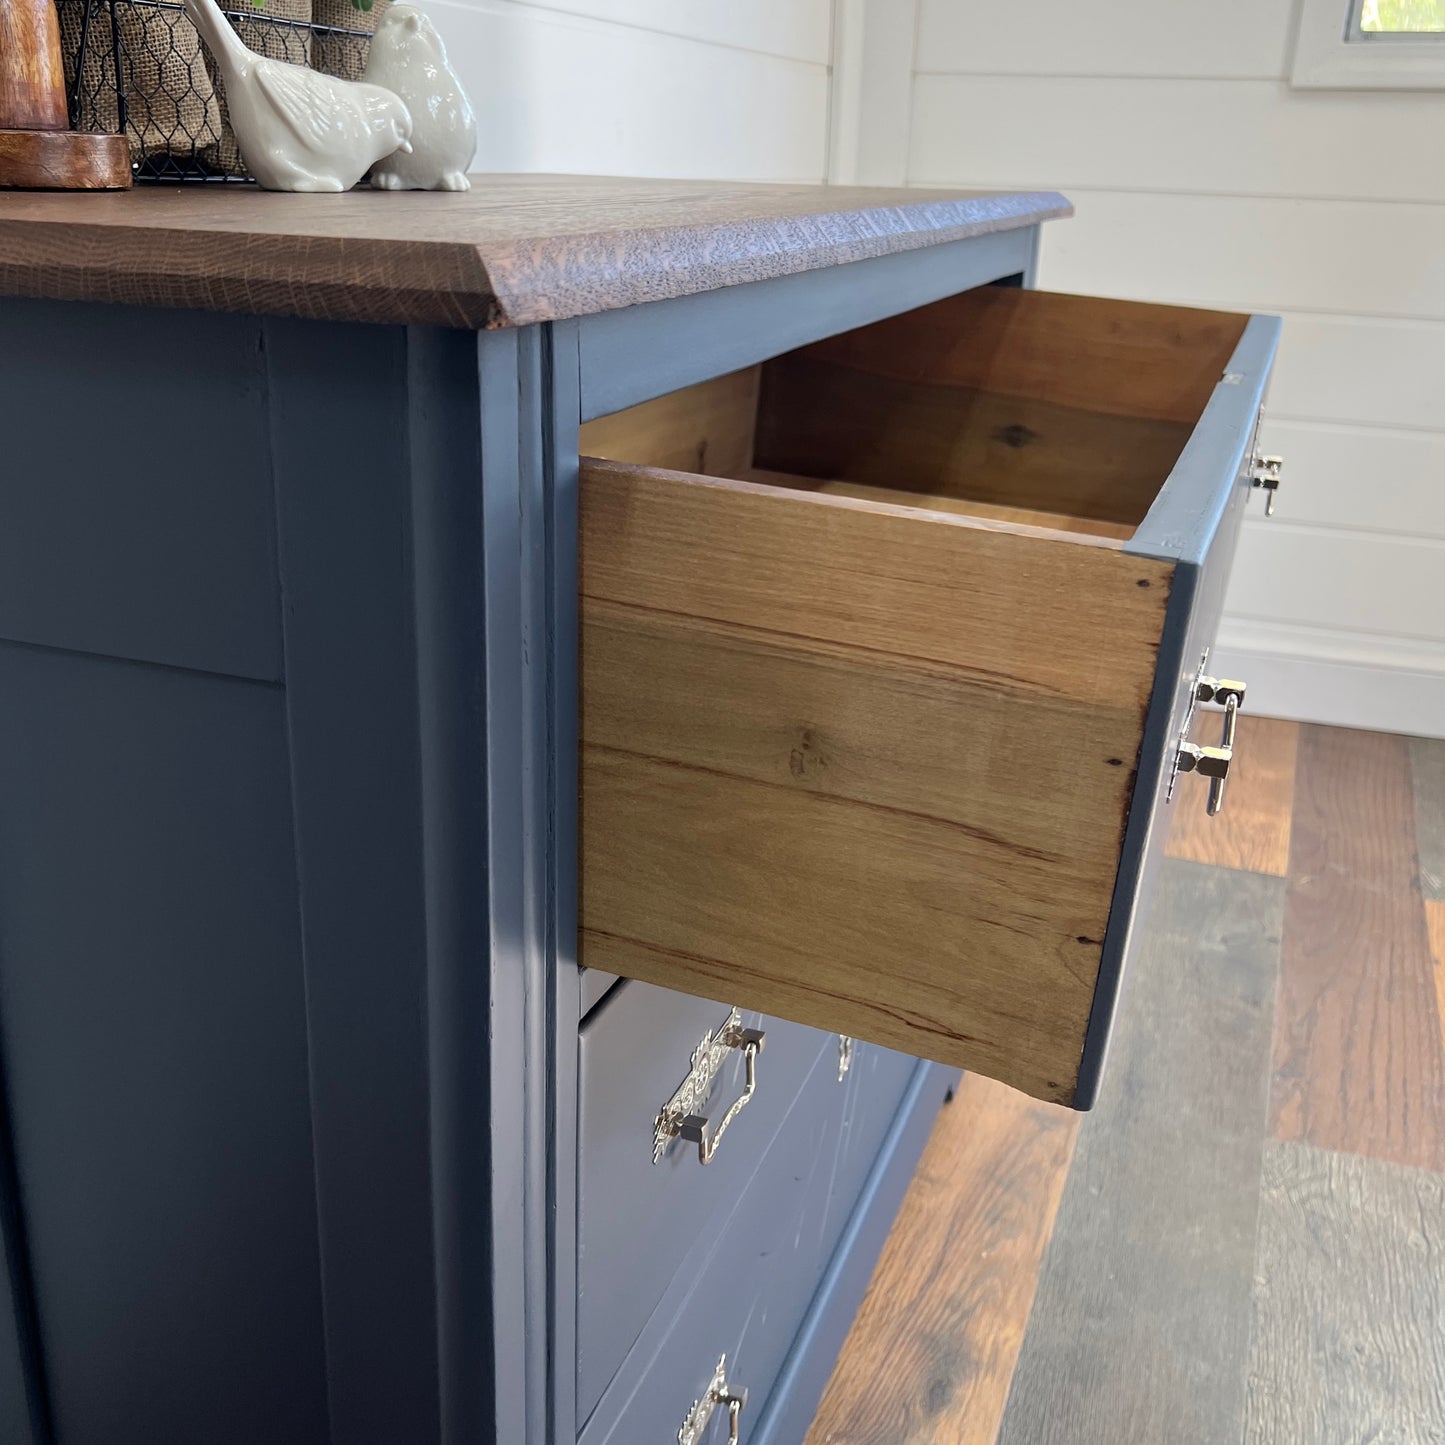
(889, 647)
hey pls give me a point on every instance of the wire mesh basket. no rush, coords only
(137, 68)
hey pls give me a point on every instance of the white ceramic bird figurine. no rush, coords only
(300, 130)
(408, 57)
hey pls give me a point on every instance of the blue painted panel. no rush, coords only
(789, 1411)
(872, 1090)
(1194, 523)
(136, 514)
(22, 1397)
(749, 1279)
(559, 467)
(638, 352)
(153, 1029)
(14, 1405)
(345, 503)
(745, 1289)
(638, 1221)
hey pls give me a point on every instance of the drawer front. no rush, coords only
(638, 1220)
(1196, 605)
(162, 552)
(880, 755)
(746, 1287)
(873, 1089)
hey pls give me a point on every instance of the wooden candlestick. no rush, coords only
(37, 147)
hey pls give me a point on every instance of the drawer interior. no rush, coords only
(1060, 412)
(866, 664)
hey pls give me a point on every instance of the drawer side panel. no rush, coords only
(859, 767)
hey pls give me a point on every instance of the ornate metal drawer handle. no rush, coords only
(679, 1119)
(718, 1393)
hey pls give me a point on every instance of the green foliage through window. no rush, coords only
(1402, 17)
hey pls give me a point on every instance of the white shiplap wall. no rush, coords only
(1201, 177)
(713, 89)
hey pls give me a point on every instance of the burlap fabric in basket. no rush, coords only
(278, 28)
(341, 50)
(171, 102)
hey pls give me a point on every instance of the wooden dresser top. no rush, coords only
(516, 249)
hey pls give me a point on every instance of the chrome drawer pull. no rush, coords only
(1213, 763)
(1218, 689)
(679, 1119)
(718, 1393)
(845, 1056)
(1264, 473)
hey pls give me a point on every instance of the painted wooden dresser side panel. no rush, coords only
(424, 607)
(135, 515)
(22, 1403)
(154, 1037)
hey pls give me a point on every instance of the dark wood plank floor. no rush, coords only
(951, 1295)
(1145, 1225)
(1427, 767)
(1236, 1261)
(1349, 1335)
(1358, 1063)
(1253, 831)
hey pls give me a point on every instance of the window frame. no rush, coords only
(1328, 56)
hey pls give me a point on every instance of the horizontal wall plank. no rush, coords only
(1130, 37)
(1331, 645)
(565, 94)
(1201, 178)
(1360, 369)
(1353, 581)
(800, 29)
(1358, 258)
(1367, 478)
(1237, 137)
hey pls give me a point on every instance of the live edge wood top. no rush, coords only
(514, 250)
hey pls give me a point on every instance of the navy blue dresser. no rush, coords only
(369, 1075)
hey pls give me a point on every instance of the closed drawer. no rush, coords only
(640, 1217)
(749, 1280)
(872, 1091)
(887, 650)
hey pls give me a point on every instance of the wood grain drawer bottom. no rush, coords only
(745, 1288)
